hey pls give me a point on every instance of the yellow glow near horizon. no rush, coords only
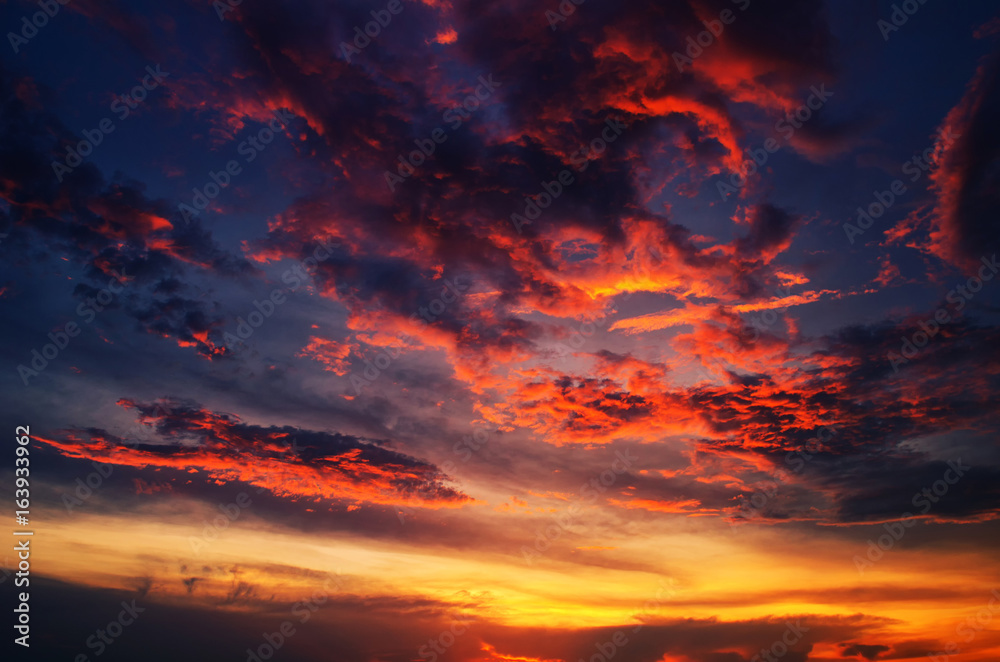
(715, 573)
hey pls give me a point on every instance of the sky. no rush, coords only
(513, 331)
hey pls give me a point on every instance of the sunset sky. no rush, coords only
(513, 331)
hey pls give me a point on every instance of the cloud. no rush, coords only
(287, 461)
(966, 177)
(867, 651)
